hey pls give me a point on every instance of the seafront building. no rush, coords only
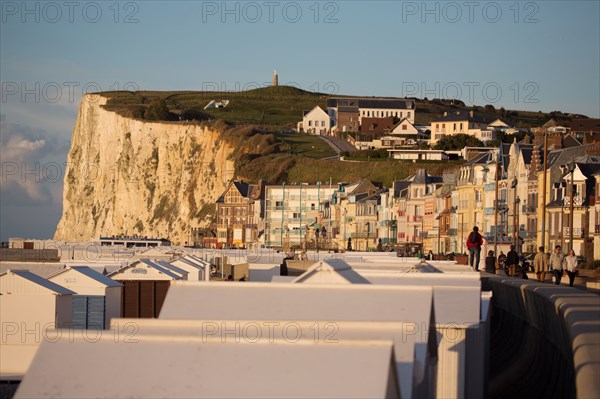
(496, 189)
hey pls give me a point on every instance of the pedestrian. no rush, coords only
(571, 266)
(540, 264)
(474, 243)
(501, 261)
(490, 263)
(512, 260)
(557, 260)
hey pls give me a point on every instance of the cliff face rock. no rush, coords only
(126, 176)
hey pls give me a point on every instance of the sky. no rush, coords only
(524, 55)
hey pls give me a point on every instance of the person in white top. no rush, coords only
(571, 266)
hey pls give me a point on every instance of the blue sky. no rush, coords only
(521, 55)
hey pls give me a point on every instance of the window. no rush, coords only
(403, 127)
(400, 114)
(408, 114)
(454, 127)
(278, 205)
(322, 123)
(312, 207)
(309, 123)
(461, 125)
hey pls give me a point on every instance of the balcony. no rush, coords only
(528, 235)
(501, 205)
(365, 235)
(578, 232)
(387, 223)
(528, 209)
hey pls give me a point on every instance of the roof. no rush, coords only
(422, 177)
(40, 281)
(386, 104)
(190, 367)
(369, 125)
(462, 116)
(362, 186)
(589, 169)
(241, 186)
(331, 271)
(148, 263)
(570, 141)
(189, 262)
(91, 273)
(271, 301)
(527, 155)
(584, 125)
(556, 158)
(398, 186)
(172, 267)
(483, 158)
(304, 113)
(352, 103)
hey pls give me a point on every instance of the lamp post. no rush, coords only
(516, 223)
(544, 191)
(496, 203)
(462, 244)
(367, 243)
(571, 169)
(514, 184)
(282, 214)
(438, 233)
(301, 241)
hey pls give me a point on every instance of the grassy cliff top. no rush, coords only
(282, 107)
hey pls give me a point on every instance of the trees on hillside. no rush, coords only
(157, 111)
(457, 142)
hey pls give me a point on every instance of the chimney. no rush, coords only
(471, 114)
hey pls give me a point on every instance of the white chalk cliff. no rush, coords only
(126, 176)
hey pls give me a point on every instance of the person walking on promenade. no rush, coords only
(501, 262)
(474, 243)
(540, 264)
(512, 260)
(557, 260)
(571, 266)
(490, 263)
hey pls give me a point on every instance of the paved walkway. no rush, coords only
(338, 144)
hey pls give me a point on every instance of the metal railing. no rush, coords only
(578, 232)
